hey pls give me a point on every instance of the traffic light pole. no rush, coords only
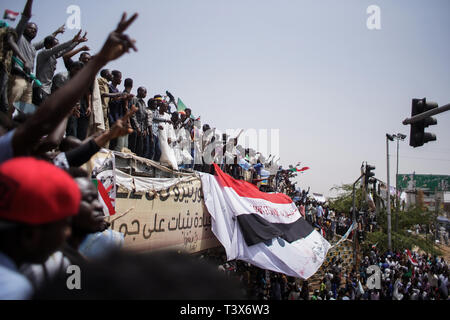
(354, 238)
(426, 114)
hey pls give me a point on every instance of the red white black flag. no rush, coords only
(263, 229)
(411, 258)
(10, 15)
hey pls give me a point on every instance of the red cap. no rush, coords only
(36, 192)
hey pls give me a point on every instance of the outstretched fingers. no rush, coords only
(124, 23)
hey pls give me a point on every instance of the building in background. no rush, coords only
(435, 189)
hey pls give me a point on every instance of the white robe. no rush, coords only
(96, 121)
(167, 153)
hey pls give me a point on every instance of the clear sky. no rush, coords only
(311, 69)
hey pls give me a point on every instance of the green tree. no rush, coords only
(343, 202)
(404, 238)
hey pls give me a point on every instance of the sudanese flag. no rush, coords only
(10, 15)
(264, 229)
(263, 216)
(411, 258)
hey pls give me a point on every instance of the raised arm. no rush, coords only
(54, 139)
(119, 129)
(54, 109)
(69, 48)
(61, 30)
(67, 57)
(39, 45)
(80, 155)
(26, 15)
(70, 54)
(77, 40)
(27, 9)
(59, 49)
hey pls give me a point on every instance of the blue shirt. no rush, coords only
(319, 211)
(6, 150)
(96, 245)
(258, 167)
(244, 164)
(13, 285)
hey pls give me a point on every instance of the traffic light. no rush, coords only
(418, 136)
(368, 174)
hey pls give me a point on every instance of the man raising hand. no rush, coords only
(54, 109)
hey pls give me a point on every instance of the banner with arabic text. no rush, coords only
(173, 218)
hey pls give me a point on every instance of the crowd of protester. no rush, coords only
(419, 277)
(51, 124)
(400, 279)
(175, 138)
(49, 205)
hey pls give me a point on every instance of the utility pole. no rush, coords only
(397, 202)
(391, 138)
(436, 210)
(398, 137)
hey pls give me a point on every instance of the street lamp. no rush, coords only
(391, 138)
(398, 137)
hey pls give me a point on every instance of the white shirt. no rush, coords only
(156, 124)
(56, 264)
